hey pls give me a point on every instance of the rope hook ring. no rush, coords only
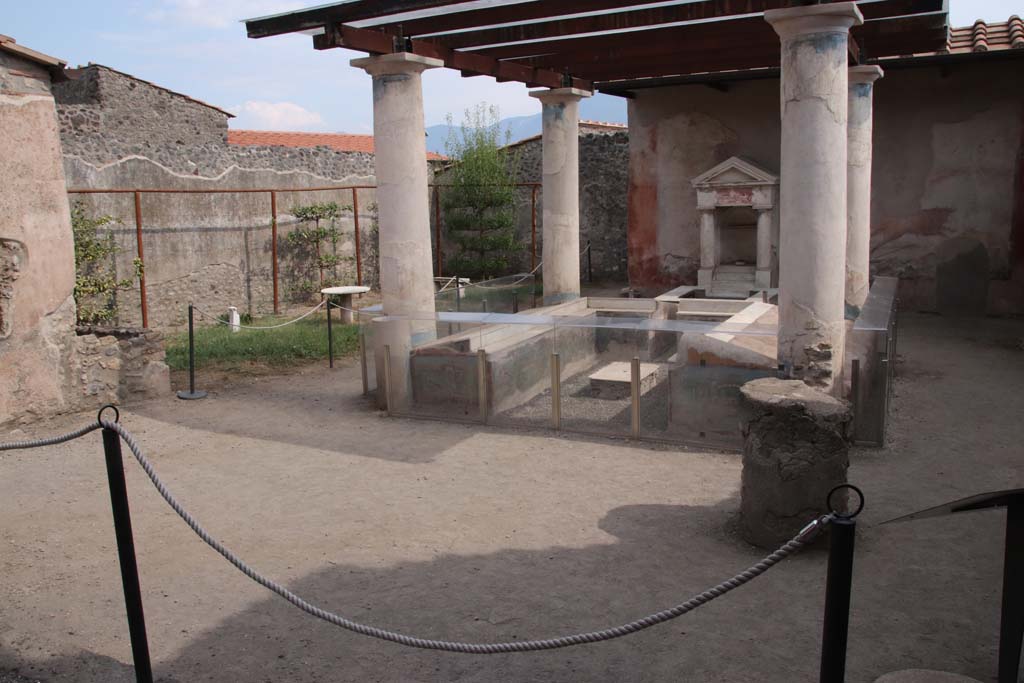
(117, 413)
(832, 508)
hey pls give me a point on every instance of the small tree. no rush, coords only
(96, 282)
(324, 218)
(479, 207)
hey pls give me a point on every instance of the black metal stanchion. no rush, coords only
(330, 335)
(126, 554)
(842, 532)
(1011, 621)
(191, 394)
(515, 302)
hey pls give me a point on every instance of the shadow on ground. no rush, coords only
(658, 556)
(305, 409)
(324, 409)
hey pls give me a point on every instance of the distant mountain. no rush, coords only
(597, 108)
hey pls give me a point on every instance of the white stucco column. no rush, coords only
(858, 186)
(812, 202)
(708, 248)
(403, 210)
(560, 109)
(763, 274)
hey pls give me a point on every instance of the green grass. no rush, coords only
(295, 344)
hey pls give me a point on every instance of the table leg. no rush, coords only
(346, 312)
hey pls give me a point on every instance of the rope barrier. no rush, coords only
(259, 327)
(796, 543)
(355, 311)
(479, 285)
(51, 441)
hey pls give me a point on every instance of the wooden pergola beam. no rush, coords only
(636, 42)
(693, 40)
(376, 42)
(543, 9)
(654, 67)
(699, 47)
(677, 39)
(639, 18)
(502, 14)
(317, 17)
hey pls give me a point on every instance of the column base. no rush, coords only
(763, 279)
(705, 276)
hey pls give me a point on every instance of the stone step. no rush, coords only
(733, 275)
(614, 381)
(729, 290)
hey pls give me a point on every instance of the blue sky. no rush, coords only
(198, 47)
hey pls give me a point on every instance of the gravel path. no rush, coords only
(463, 532)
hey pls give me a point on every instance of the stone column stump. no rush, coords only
(794, 452)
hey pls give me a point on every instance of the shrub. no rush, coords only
(96, 281)
(479, 207)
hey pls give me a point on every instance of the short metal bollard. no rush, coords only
(191, 394)
(330, 335)
(126, 553)
(838, 584)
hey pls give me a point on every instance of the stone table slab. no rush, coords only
(613, 380)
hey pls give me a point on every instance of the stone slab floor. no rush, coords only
(458, 532)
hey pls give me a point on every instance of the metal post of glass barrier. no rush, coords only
(481, 364)
(387, 379)
(634, 390)
(556, 391)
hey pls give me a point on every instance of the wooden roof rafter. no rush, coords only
(559, 43)
(376, 42)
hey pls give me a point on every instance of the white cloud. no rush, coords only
(260, 115)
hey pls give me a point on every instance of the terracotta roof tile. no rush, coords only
(341, 142)
(608, 125)
(986, 37)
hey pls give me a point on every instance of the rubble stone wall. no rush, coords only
(119, 366)
(604, 170)
(213, 249)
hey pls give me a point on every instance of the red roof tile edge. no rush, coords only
(340, 142)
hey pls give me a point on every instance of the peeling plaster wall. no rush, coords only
(37, 269)
(946, 149)
(676, 134)
(947, 146)
(215, 250)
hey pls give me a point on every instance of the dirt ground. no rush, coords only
(462, 532)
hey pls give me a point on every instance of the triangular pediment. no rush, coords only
(736, 171)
